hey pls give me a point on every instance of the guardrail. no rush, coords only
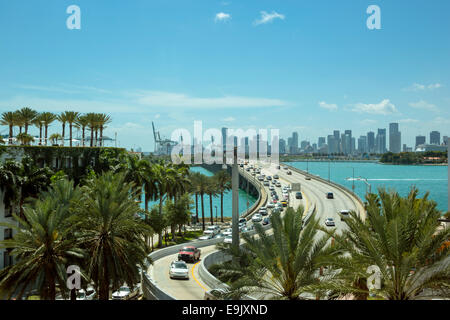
(262, 199)
(149, 286)
(350, 194)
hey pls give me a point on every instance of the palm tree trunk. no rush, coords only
(63, 132)
(83, 136)
(221, 207)
(11, 133)
(96, 137)
(70, 133)
(196, 206)
(26, 128)
(40, 135)
(203, 212)
(160, 213)
(92, 136)
(210, 209)
(45, 136)
(101, 136)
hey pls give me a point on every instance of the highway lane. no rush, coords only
(314, 192)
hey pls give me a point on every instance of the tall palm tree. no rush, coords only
(223, 184)
(19, 120)
(9, 183)
(202, 189)
(27, 116)
(194, 177)
(164, 175)
(9, 119)
(42, 246)
(63, 119)
(47, 119)
(280, 266)
(38, 122)
(103, 120)
(83, 122)
(111, 234)
(92, 119)
(211, 191)
(71, 118)
(399, 238)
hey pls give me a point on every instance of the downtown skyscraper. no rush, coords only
(395, 138)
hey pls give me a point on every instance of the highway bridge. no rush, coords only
(156, 283)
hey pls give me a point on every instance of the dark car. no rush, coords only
(189, 254)
(298, 195)
(289, 173)
(330, 195)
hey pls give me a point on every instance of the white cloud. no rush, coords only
(441, 120)
(268, 17)
(229, 119)
(421, 87)
(221, 16)
(171, 99)
(328, 106)
(408, 121)
(368, 121)
(385, 107)
(423, 105)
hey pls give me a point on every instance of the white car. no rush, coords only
(179, 270)
(227, 232)
(257, 218)
(270, 205)
(271, 188)
(207, 234)
(123, 293)
(278, 184)
(344, 214)
(228, 239)
(329, 222)
(214, 229)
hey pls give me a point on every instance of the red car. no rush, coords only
(189, 254)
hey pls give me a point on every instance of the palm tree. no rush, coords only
(9, 119)
(19, 120)
(202, 189)
(280, 266)
(24, 138)
(111, 234)
(211, 191)
(47, 119)
(54, 138)
(72, 119)
(83, 122)
(63, 119)
(9, 183)
(194, 177)
(27, 116)
(42, 245)
(103, 120)
(223, 184)
(399, 238)
(38, 122)
(92, 119)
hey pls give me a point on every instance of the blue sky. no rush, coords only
(306, 66)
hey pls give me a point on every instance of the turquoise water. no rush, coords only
(227, 200)
(401, 178)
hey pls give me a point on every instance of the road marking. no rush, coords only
(198, 282)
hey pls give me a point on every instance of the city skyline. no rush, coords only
(306, 68)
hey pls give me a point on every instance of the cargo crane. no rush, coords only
(162, 146)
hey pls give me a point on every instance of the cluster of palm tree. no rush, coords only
(93, 227)
(212, 186)
(26, 117)
(397, 253)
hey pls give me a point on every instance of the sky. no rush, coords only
(305, 66)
